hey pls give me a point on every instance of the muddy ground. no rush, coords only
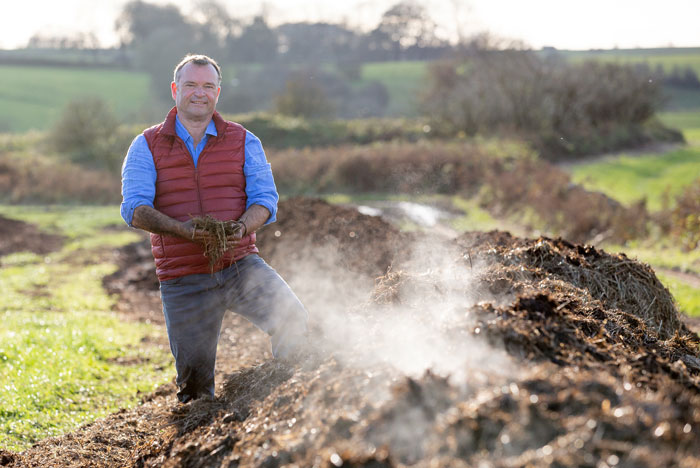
(17, 235)
(483, 351)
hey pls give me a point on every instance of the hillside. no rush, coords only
(36, 94)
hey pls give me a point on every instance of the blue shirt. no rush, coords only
(139, 172)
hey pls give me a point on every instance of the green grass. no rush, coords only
(629, 178)
(65, 358)
(681, 99)
(687, 297)
(666, 57)
(404, 82)
(661, 254)
(688, 122)
(33, 97)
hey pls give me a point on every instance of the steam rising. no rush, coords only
(426, 325)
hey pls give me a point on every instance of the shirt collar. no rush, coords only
(185, 135)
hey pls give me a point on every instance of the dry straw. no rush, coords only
(616, 280)
(216, 246)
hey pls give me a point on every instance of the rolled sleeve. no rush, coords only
(260, 185)
(138, 179)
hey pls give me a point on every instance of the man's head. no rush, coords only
(196, 86)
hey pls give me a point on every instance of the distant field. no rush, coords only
(403, 80)
(33, 97)
(688, 122)
(629, 177)
(668, 57)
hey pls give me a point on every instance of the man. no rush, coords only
(194, 164)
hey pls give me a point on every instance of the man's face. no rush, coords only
(196, 91)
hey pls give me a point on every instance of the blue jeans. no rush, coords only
(194, 307)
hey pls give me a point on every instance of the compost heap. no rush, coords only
(485, 351)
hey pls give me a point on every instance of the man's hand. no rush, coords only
(200, 236)
(233, 239)
(151, 220)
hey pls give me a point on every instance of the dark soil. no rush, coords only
(18, 236)
(561, 360)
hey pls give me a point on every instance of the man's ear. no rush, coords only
(173, 89)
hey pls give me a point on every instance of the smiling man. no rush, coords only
(195, 163)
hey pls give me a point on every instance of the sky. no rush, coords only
(564, 24)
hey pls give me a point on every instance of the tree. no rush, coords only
(303, 97)
(319, 42)
(88, 133)
(404, 26)
(139, 20)
(561, 107)
(214, 27)
(78, 40)
(257, 44)
(159, 36)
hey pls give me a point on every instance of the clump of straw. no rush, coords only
(215, 248)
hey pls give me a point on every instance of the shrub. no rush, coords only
(303, 97)
(89, 134)
(281, 131)
(28, 178)
(507, 183)
(561, 108)
(685, 217)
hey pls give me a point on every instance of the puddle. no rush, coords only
(418, 213)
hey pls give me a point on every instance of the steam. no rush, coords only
(429, 328)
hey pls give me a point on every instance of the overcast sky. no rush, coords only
(565, 24)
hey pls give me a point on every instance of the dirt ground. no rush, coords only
(17, 235)
(484, 351)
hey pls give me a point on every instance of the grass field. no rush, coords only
(666, 57)
(33, 97)
(687, 297)
(62, 350)
(403, 80)
(629, 177)
(688, 122)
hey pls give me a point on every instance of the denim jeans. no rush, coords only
(194, 307)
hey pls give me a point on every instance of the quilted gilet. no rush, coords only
(215, 187)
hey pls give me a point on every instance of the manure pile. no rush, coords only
(569, 356)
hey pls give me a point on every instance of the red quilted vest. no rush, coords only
(215, 187)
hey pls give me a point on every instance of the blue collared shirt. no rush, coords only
(139, 172)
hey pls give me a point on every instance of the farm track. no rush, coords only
(691, 279)
(555, 355)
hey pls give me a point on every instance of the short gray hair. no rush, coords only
(197, 59)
